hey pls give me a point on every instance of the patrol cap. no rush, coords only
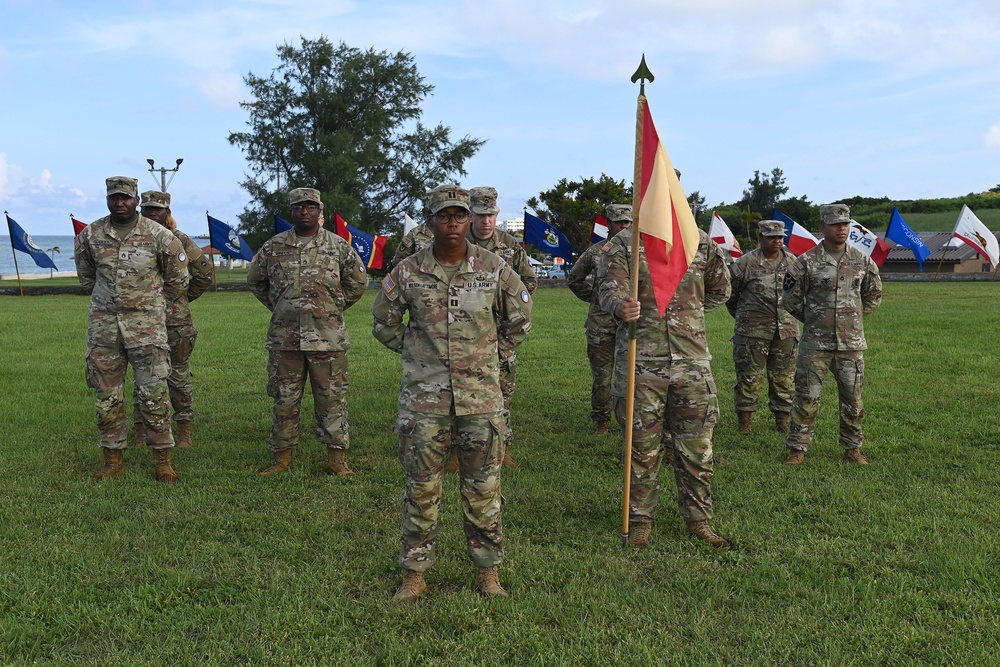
(304, 194)
(448, 195)
(618, 212)
(835, 214)
(155, 199)
(771, 228)
(483, 200)
(122, 185)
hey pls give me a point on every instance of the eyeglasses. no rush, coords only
(312, 208)
(461, 217)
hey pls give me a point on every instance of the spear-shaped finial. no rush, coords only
(642, 75)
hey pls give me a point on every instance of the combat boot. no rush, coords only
(183, 435)
(744, 425)
(781, 422)
(508, 461)
(282, 458)
(113, 459)
(488, 582)
(338, 464)
(452, 465)
(601, 429)
(413, 587)
(638, 534)
(138, 434)
(795, 457)
(702, 531)
(161, 461)
(855, 456)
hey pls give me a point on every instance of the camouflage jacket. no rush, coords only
(456, 331)
(583, 281)
(130, 281)
(307, 290)
(756, 299)
(200, 279)
(416, 240)
(832, 298)
(505, 245)
(681, 332)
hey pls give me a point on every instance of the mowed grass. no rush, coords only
(944, 222)
(890, 564)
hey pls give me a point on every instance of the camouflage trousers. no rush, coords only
(601, 354)
(753, 357)
(508, 380)
(425, 445)
(180, 381)
(286, 381)
(810, 372)
(678, 396)
(105, 370)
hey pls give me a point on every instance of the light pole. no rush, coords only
(164, 183)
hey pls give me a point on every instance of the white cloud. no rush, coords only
(223, 90)
(992, 137)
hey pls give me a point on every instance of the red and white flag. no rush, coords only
(600, 230)
(77, 226)
(868, 243)
(721, 234)
(661, 211)
(971, 230)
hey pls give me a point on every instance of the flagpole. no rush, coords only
(20, 287)
(941, 261)
(211, 245)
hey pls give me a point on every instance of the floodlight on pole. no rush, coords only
(164, 183)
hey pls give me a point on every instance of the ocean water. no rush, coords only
(63, 258)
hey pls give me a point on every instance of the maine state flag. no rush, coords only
(281, 225)
(546, 238)
(20, 240)
(225, 239)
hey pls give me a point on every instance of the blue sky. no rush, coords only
(848, 97)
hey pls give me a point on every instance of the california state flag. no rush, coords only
(661, 212)
(970, 229)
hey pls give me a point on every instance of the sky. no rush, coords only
(894, 98)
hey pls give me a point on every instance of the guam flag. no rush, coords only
(225, 239)
(20, 240)
(370, 248)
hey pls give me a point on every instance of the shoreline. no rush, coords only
(39, 276)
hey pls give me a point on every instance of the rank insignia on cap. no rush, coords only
(388, 285)
(524, 295)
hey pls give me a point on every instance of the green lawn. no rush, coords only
(890, 564)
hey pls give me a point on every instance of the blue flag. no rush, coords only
(901, 233)
(546, 238)
(280, 224)
(20, 240)
(225, 239)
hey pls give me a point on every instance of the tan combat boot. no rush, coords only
(338, 464)
(452, 465)
(744, 425)
(701, 530)
(161, 461)
(488, 582)
(282, 458)
(781, 422)
(638, 534)
(508, 461)
(413, 587)
(138, 434)
(795, 457)
(183, 435)
(601, 429)
(855, 456)
(113, 459)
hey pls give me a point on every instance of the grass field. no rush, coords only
(945, 222)
(890, 564)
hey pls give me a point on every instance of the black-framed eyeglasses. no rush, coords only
(460, 217)
(312, 208)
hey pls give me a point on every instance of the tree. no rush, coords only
(764, 192)
(697, 203)
(54, 250)
(346, 122)
(571, 205)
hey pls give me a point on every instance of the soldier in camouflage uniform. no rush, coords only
(467, 309)
(181, 334)
(831, 289)
(600, 327)
(307, 277)
(132, 268)
(766, 337)
(417, 238)
(674, 388)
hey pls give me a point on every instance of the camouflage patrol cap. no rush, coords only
(835, 214)
(122, 185)
(483, 200)
(448, 195)
(771, 228)
(155, 199)
(304, 194)
(618, 212)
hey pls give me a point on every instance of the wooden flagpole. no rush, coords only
(17, 270)
(215, 274)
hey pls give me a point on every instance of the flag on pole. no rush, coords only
(546, 238)
(19, 240)
(868, 242)
(797, 238)
(77, 226)
(281, 225)
(224, 238)
(971, 230)
(600, 230)
(662, 214)
(722, 235)
(370, 248)
(901, 233)
(409, 224)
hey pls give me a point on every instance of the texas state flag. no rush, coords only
(600, 230)
(797, 238)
